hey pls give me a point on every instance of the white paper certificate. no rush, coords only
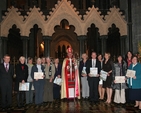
(57, 81)
(103, 75)
(119, 79)
(130, 73)
(84, 70)
(38, 75)
(23, 86)
(93, 71)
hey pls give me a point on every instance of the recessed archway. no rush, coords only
(63, 37)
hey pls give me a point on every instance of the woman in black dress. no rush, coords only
(107, 66)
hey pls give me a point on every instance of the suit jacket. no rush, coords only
(81, 65)
(89, 65)
(6, 77)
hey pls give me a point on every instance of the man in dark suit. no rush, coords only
(93, 79)
(6, 80)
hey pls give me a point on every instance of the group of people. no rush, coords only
(73, 73)
(124, 92)
(45, 90)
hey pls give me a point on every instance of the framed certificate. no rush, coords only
(119, 79)
(23, 86)
(57, 81)
(93, 71)
(130, 73)
(38, 75)
(103, 75)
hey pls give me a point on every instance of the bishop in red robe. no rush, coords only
(70, 76)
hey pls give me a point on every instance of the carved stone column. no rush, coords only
(25, 46)
(82, 48)
(103, 43)
(123, 44)
(47, 40)
(130, 25)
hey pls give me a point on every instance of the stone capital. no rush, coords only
(4, 38)
(24, 38)
(47, 38)
(123, 36)
(82, 37)
(103, 36)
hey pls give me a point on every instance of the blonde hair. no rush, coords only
(38, 59)
(108, 54)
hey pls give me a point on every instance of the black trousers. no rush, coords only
(93, 88)
(20, 98)
(6, 95)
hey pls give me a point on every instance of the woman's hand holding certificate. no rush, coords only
(38, 75)
(131, 74)
(103, 75)
(119, 79)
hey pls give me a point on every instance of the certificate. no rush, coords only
(103, 75)
(38, 75)
(84, 70)
(57, 81)
(93, 71)
(119, 79)
(130, 73)
(23, 86)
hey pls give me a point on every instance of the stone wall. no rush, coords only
(2, 7)
(136, 23)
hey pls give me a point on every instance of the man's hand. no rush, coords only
(23, 81)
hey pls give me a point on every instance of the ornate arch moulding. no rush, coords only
(116, 17)
(65, 6)
(64, 10)
(93, 16)
(35, 16)
(56, 21)
(12, 17)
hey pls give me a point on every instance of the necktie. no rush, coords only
(6, 67)
(93, 63)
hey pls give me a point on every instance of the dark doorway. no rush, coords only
(93, 40)
(64, 37)
(36, 44)
(15, 45)
(113, 41)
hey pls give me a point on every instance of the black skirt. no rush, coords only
(135, 94)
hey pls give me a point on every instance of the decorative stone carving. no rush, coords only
(116, 17)
(12, 17)
(62, 10)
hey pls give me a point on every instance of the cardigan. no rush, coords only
(136, 83)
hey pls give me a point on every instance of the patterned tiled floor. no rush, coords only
(71, 106)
